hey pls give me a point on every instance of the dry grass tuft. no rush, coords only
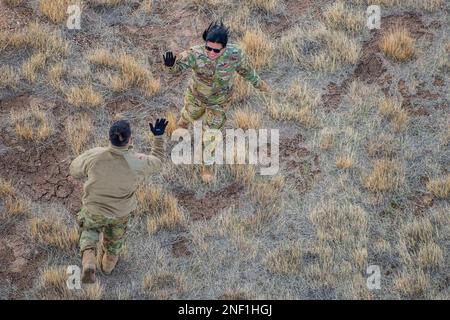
(392, 110)
(285, 259)
(31, 124)
(54, 232)
(386, 175)
(84, 96)
(341, 222)
(247, 119)
(9, 77)
(130, 72)
(258, 47)
(412, 284)
(298, 104)
(440, 187)
(78, 129)
(13, 3)
(55, 74)
(342, 17)
(160, 207)
(56, 10)
(164, 284)
(33, 65)
(398, 44)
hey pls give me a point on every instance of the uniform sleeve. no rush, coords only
(246, 70)
(185, 60)
(154, 160)
(79, 166)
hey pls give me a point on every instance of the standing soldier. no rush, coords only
(210, 89)
(112, 175)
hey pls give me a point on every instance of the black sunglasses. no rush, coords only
(212, 49)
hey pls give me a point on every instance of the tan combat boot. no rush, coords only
(89, 266)
(109, 262)
(207, 174)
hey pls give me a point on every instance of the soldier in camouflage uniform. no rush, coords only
(210, 89)
(112, 175)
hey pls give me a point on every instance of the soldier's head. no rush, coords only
(216, 38)
(120, 133)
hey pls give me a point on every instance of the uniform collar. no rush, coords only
(120, 150)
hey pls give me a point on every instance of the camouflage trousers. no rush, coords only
(214, 117)
(92, 225)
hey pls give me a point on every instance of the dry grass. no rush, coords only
(31, 66)
(53, 286)
(398, 44)
(163, 284)
(130, 72)
(101, 57)
(45, 40)
(392, 110)
(84, 96)
(342, 17)
(52, 231)
(160, 207)
(31, 124)
(284, 260)
(268, 6)
(326, 138)
(172, 125)
(320, 48)
(78, 130)
(53, 283)
(55, 74)
(106, 3)
(13, 3)
(386, 175)
(258, 47)
(345, 160)
(243, 173)
(6, 187)
(242, 89)
(247, 119)
(9, 77)
(412, 284)
(428, 5)
(14, 205)
(56, 10)
(341, 222)
(440, 187)
(266, 197)
(298, 103)
(382, 146)
(337, 50)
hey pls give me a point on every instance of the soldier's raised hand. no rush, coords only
(160, 126)
(169, 59)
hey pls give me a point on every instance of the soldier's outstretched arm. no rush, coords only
(186, 60)
(154, 160)
(249, 73)
(80, 165)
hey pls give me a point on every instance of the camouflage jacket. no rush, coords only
(113, 174)
(212, 80)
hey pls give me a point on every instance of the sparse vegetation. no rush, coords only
(398, 44)
(363, 150)
(31, 124)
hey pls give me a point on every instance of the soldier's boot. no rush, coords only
(207, 174)
(109, 262)
(182, 124)
(89, 265)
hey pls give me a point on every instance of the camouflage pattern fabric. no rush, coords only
(92, 225)
(210, 89)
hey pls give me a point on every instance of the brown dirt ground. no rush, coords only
(371, 67)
